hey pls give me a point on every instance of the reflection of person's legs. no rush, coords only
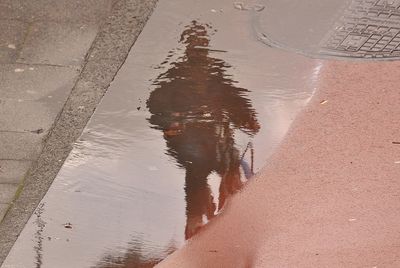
(228, 168)
(199, 204)
(230, 184)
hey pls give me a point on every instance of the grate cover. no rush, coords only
(320, 28)
(368, 29)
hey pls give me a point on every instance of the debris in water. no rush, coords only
(396, 142)
(258, 8)
(31, 68)
(241, 6)
(18, 70)
(352, 219)
(68, 225)
(138, 108)
(213, 250)
(12, 46)
(213, 11)
(323, 102)
(397, 162)
(38, 131)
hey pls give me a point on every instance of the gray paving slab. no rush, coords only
(13, 171)
(19, 146)
(60, 10)
(25, 116)
(35, 82)
(11, 39)
(7, 192)
(58, 43)
(10, 9)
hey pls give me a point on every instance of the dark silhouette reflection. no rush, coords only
(135, 257)
(198, 107)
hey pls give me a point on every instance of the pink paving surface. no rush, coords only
(330, 195)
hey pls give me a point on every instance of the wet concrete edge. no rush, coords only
(106, 55)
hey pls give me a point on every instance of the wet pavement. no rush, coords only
(196, 110)
(40, 60)
(357, 29)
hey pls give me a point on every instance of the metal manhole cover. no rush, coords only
(322, 28)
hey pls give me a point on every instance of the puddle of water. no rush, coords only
(364, 29)
(190, 117)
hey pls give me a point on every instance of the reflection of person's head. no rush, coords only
(198, 106)
(195, 35)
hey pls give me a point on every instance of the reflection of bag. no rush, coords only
(248, 169)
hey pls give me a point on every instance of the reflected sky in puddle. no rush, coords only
(170, 142)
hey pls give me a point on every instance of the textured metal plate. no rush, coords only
(367, 29)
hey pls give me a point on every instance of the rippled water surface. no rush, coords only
(194, 113)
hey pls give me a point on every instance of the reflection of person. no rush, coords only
(197, 107)
(137, 256)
